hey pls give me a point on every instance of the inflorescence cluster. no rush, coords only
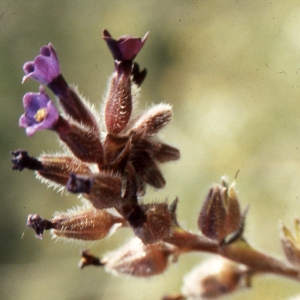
(111, 159)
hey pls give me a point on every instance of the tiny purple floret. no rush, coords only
(45, 66)
(126, 47)
(40, 112)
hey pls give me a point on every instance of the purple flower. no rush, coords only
(45, 66)
(126, 47)
(40, 112)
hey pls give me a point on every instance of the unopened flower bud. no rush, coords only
(153, 120)
(138, 76)
(220, 215)
(214, 278)
(291, 243)
(137, 259)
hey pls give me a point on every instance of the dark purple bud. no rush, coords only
(22, 160)
(38, 224)
(79, 184)
(126, 47)
(138, 76)
(45, 66)
(40, 112)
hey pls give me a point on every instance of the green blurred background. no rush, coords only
(231, 70)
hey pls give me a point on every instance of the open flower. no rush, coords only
(45, 66)
(40, 112)
(126, 47)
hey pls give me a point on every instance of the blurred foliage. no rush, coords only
(231, 71)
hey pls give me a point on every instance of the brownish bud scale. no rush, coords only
(88, 259)
(214, 278)
(220, 215)
(86, 224)
(158, 224)
(58, 168)
(291, 243)
(137, 259)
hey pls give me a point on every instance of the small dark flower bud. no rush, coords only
(214, 278)
(291, 243)
(138, 76)
(88, 259)
(22, 160)
(88, 224)
(137, 259)
(38, 224)
(158, 224)
(220, 215)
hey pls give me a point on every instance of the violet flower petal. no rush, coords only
(45, 66)
(126, 47)
(40, 112)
